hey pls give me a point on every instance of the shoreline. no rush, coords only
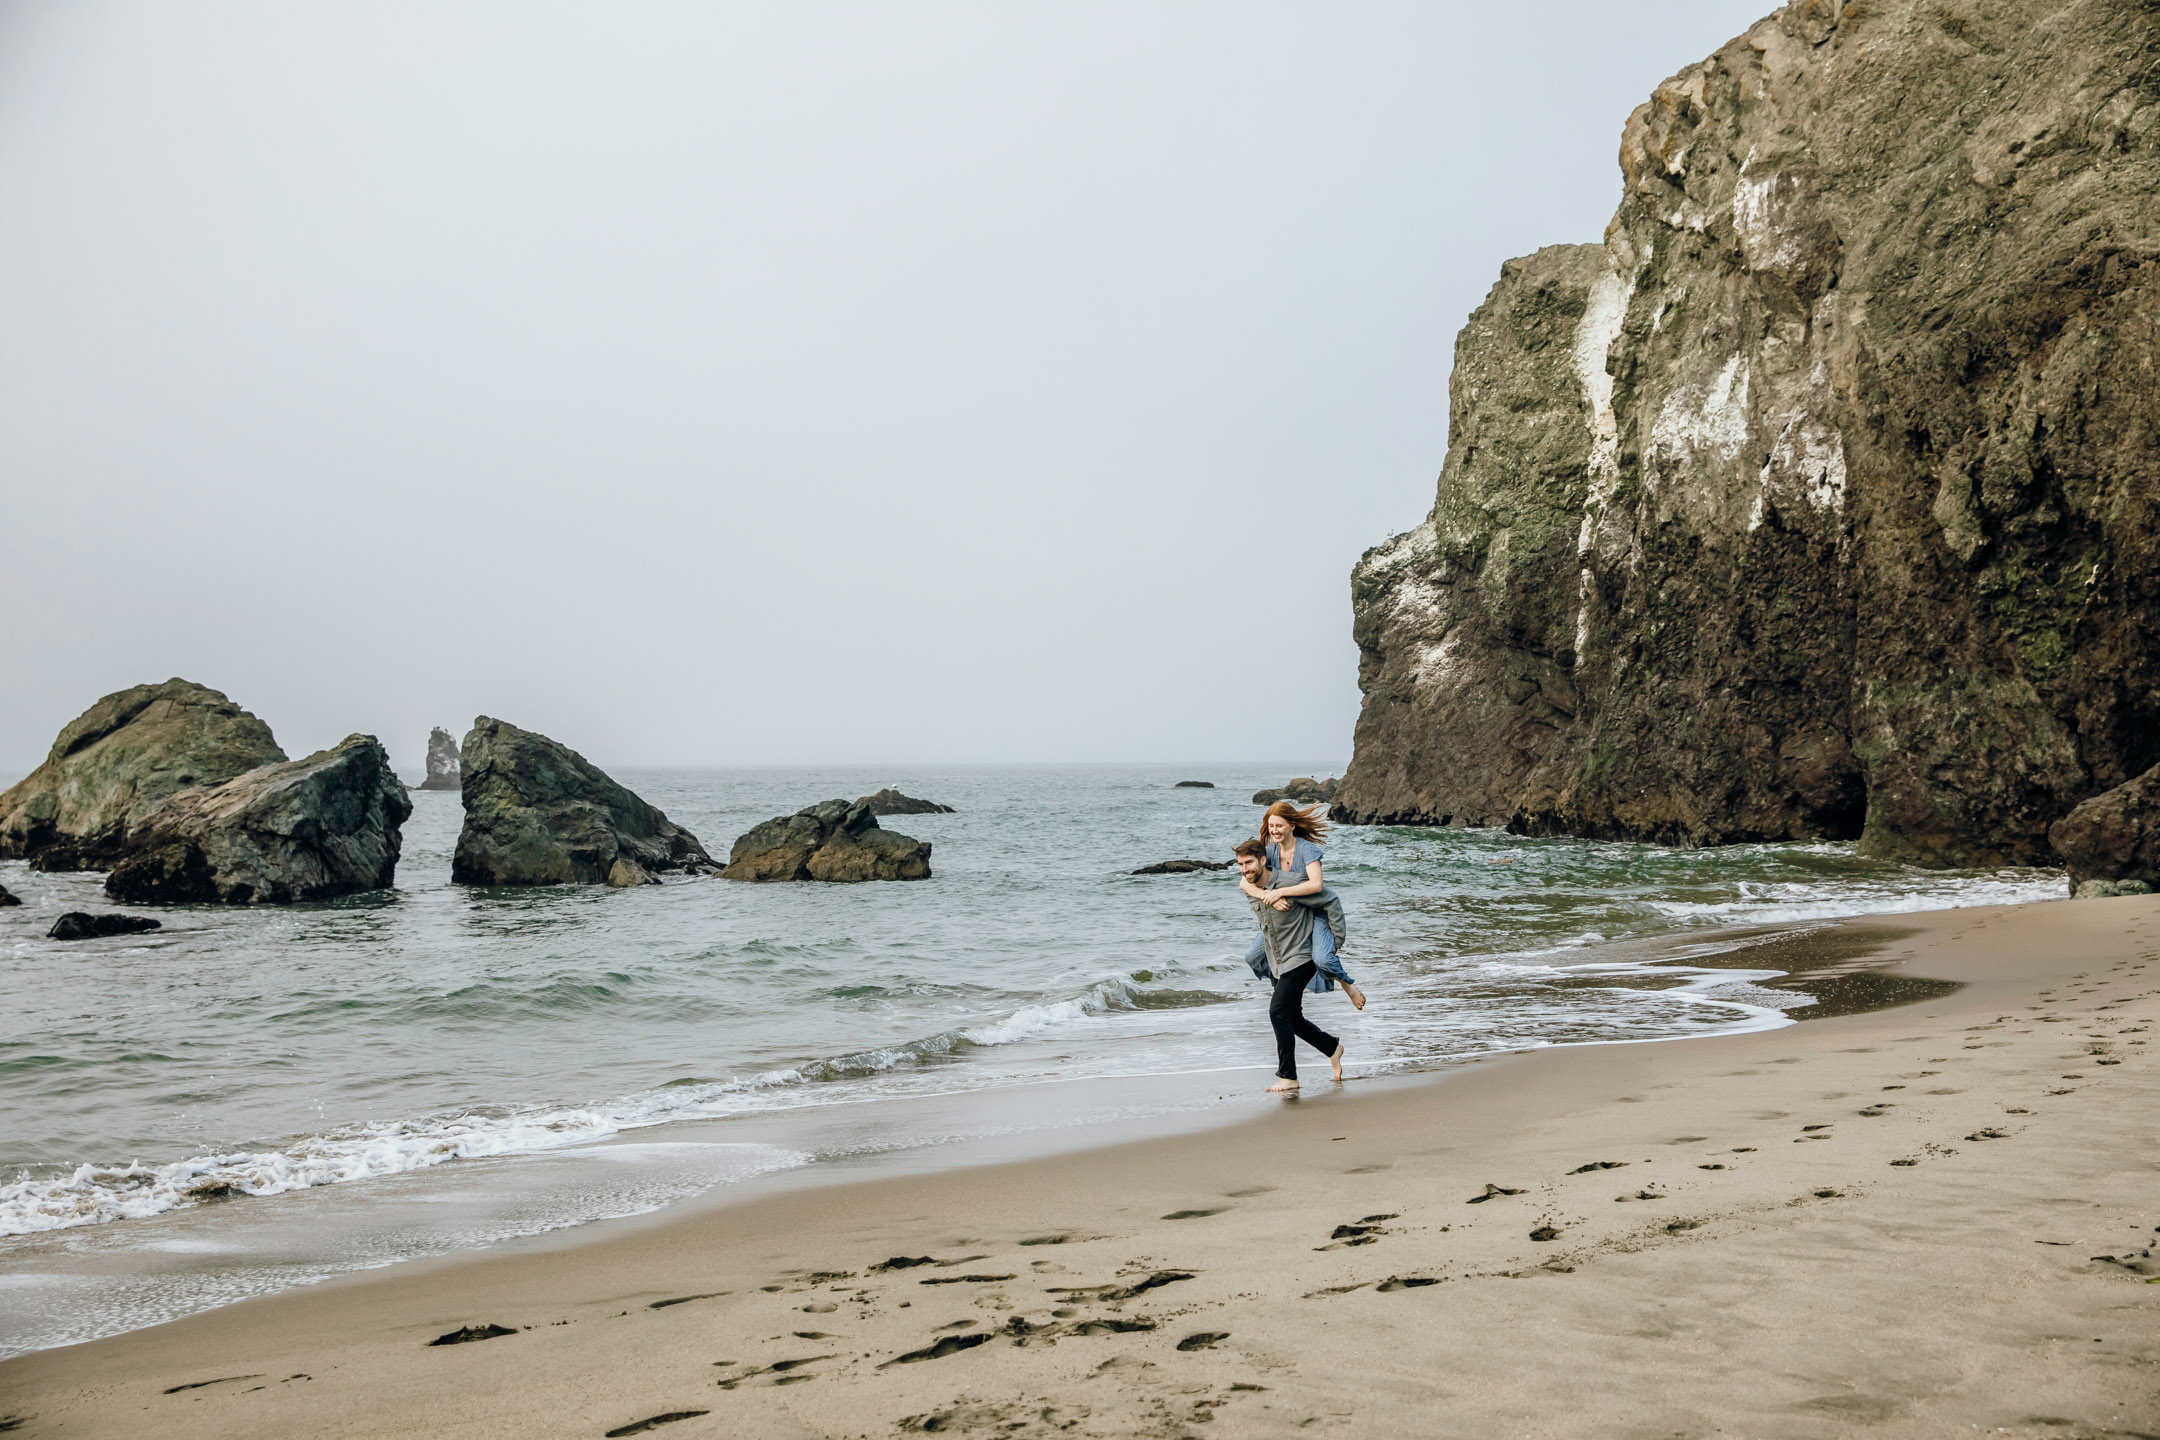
(1316, 1237)
(171, 1266)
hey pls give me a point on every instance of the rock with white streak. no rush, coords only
(1822, 498)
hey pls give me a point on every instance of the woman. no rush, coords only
(1293, 837)
(1286, 930)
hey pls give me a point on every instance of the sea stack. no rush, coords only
(309, 829)
(539, 813)
(1821, 499)
(120, 760)
(442, 761)
(833, 841)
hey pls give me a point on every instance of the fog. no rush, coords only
(734, 385)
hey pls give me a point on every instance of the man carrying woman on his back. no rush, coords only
(1301, 926)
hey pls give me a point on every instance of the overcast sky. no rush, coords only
(757, 384)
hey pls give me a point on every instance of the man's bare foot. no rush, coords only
(1336, 1061)
(1357, 996)
(1285, 1087)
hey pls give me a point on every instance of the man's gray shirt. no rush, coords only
(1288, 933)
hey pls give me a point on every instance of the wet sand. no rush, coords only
(1916, 1221)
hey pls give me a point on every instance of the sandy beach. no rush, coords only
(1931, 1219)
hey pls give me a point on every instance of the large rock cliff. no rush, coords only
(1819, 499)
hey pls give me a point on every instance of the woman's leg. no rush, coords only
(1323, 950)
(1286, 1012)
(1329, 963)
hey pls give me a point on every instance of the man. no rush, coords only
(1286, 945)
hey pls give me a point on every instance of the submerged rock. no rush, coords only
(442, 761)
(891, 802)
(7, 899)
(1181, 867)
(307, 829)
(1304, 790)
(539, 813)
(833, 841)
(118, 761)
(1820, 499)
(82, 925)
(2113, 839)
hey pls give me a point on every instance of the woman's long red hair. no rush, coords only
(1304, 824)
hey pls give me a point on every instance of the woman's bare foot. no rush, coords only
(1357, 996)
(1285, 1087)
(1336, 1061)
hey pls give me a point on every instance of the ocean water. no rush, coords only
(256, 1098)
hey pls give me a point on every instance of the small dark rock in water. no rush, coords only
(472, 1332)
(81, 925)
(891, 802)
(1304, 790)
(442, 761)
(833, 841)
(1182, 867)
(6, 899)
(1194, 785)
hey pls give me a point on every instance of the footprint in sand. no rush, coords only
(1597, 1165)
(1195, 1214)
(1405, 1282)
(456, 1337)
(950, 1345)
(202, 1384)
(654, 1422)
(1491, 1191)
